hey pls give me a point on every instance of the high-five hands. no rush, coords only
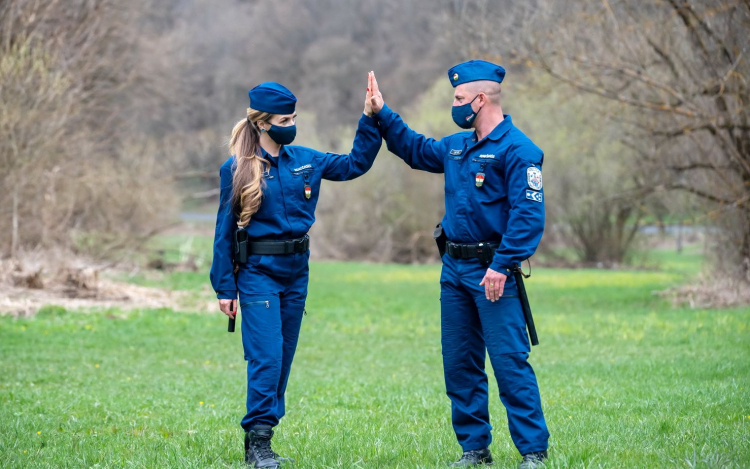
(494, 284)
(374, 98)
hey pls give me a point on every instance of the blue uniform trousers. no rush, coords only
(471, 324)
(272, 291)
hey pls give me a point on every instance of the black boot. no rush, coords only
(533, 460)
(258, 452)
(474, 458)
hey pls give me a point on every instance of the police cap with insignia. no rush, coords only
(475, 70)
(272, 97)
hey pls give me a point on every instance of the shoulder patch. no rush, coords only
(535, 196)
(534, 178)
(456, 152)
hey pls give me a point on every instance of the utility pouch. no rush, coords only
(440, 239)
(485, 253)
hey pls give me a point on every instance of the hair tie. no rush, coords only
(248, 121)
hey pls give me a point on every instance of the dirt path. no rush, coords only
(24, 290)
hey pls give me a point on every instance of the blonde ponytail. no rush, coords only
(247, 182)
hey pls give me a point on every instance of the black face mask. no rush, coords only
(282, 135)
(464, 115)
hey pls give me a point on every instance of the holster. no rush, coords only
(440, 239)
(240, 246)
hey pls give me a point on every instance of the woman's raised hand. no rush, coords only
(373, 98)
(376, 99)
(368, 96)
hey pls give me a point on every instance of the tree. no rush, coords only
(682, 66)
(68, 165)
(678, 70)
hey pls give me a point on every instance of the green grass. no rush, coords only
(626, 380)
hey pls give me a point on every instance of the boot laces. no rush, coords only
(471, 456)
(262, 447)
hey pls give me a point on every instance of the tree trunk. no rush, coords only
(14, 230)
(744, 248)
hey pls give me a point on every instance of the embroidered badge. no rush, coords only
(487, 156)
(534, 178)
(535, 196)
(307, 166)
(479, 181)
(456, 152)
(308, 192)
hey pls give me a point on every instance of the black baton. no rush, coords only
(231, 319)
(525, 305)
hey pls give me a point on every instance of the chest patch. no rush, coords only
(301, 168)
(534, 178)
(456, 152)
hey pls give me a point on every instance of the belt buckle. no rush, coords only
(298, 242)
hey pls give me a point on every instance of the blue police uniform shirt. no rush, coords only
(285, 212)
(507, 203)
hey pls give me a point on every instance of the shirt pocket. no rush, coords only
(453, 173)
(269, 204)
(487, 181)
(305, 184)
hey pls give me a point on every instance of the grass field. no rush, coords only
(626, 380)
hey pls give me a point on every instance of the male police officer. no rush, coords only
(493, 195)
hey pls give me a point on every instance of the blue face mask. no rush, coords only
(464, 115)
(282, 135)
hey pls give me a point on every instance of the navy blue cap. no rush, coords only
(272, 97)
(475, 70)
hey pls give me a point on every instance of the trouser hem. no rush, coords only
(475, 446)
(533, 450)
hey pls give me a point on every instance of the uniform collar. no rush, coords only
(273, 160)
(500, 129)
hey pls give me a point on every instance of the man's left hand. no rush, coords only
(494, 283)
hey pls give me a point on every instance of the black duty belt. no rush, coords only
(471, 251)
(279, 246)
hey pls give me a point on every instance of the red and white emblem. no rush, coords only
(308, 192)
(479, 179)
(534, 178)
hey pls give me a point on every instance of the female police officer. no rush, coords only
(269, 191)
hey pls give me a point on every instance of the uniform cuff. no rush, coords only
(502, 266)
(365, 119)
(385, 116)
(227, 295)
